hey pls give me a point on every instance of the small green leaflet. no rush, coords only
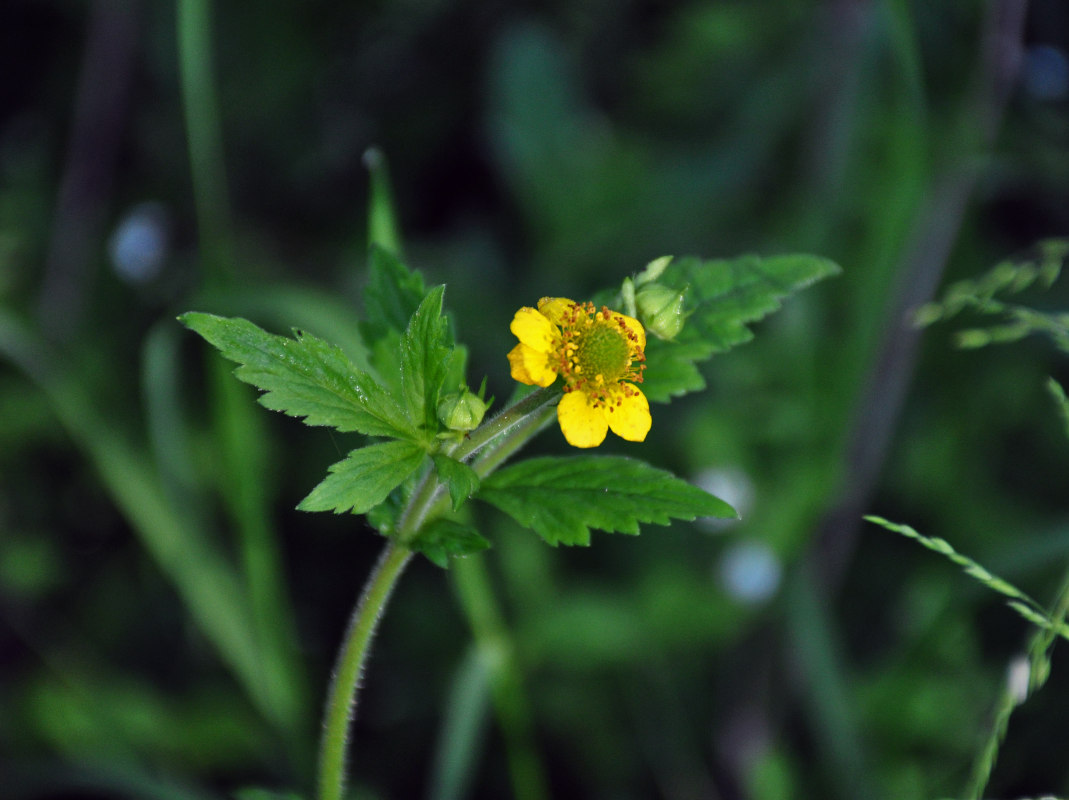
(304, 377)
(426, 351)
(365, 478)
(442, 538)
(562, 499)
(461, 479)
(403, 318)
(722, 298)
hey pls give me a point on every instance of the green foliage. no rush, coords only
(391, 296)
(722, 298)
(415, 362)
(1017, 600)
(365, 478)
(561, 499)
(1051, 625)
(1058, 393)
(381, 222)
(442, 539)
(552, 151)
(461, 480)
(983, 295)
(426, 358)
(304, 377)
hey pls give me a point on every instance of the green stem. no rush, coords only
(494, 454)
(1039, 670)
(504, 423)
(497, 439)
(341, 698)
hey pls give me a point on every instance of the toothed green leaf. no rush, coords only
(722, 298)
(365, 478)
(304, 377)
(562, 499)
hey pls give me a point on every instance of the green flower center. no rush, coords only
(603, 351)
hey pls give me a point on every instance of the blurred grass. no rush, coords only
(533, 151)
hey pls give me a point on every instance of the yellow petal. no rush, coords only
(534, 330)
(530, 366)
(554, 308)
(581, 423)
(630, 416)
(635, 327)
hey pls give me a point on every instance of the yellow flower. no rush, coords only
(598, 353)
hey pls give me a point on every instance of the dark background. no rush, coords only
(168, 621)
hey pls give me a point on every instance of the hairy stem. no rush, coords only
(341, 698)
(500, 437)
(503, 424)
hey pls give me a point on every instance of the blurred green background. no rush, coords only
(168, 621)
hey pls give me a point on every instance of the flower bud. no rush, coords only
(461, 411)
(660, 310)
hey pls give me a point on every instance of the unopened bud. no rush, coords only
(660, 310)
(461, 411)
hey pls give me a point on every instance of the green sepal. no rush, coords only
(461, 479)
(563, 498)
(442, 539)
(365, 478)
(304, 377)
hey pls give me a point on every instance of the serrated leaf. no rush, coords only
(392, 294)
(461, 479)
(562, 499)
(441, 539)
(426, 351)
(365, 478)
(722, 298)
(304, 377)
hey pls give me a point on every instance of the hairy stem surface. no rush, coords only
(495, 440)
(341, 698)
